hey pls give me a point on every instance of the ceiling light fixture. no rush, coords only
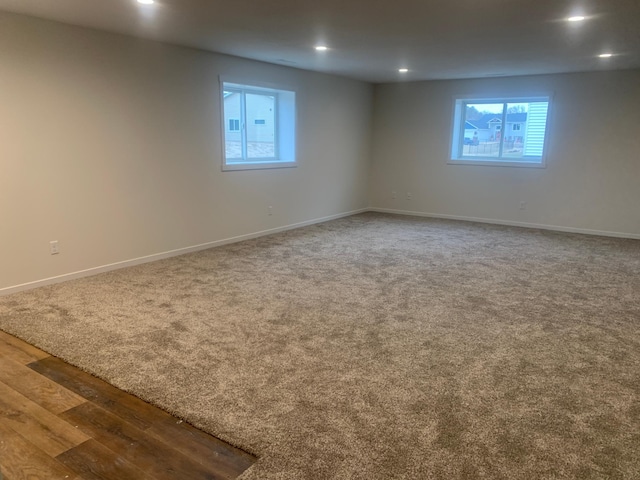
(146, 2)
(576, 18)
(322, 48)
(606, 55)
(403, 70)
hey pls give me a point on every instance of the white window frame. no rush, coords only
(458, 124)
(285, 125)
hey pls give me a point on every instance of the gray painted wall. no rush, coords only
(112, 146)
(592, 175)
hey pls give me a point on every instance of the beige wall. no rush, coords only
(111, 145)
(592, 178)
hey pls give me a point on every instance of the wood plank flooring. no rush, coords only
(58, 422)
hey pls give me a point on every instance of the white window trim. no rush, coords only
(492, 161)
(291, 115)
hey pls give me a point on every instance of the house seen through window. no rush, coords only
(260, 129)
(509, 131)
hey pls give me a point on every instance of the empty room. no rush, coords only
(319, 240)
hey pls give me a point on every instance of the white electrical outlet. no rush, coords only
(269, 210)
(394, 194)
(54, 247)
(523, 205)
(409, 195)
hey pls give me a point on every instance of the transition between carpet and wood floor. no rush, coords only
(376, 347)
(58, 422)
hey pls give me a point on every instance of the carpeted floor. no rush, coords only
(376, 347)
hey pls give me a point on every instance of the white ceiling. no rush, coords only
(370, 39)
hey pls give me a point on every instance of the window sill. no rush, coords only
(227, 167)
(498, 163)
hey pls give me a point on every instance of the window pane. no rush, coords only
(261, 121)
(482, 129)
(497, 131)
(232, 115)
(525, 132)
(514, 134)
(535, 129)
(259, 127)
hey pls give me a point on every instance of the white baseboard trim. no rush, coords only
(171, 253)
(557, 228)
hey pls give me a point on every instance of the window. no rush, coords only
(261, 127)
(478, 136)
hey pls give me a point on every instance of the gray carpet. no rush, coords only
(376, 347)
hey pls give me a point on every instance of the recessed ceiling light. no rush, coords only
(606, 55)
(576, 18)
(403, 70)
(146, 2)
(322, 48)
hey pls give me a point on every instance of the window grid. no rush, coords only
(261, 126)
(512, 131)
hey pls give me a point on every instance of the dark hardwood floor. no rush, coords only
(58, 422)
